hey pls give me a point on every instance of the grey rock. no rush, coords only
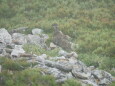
(0, 68)
(37, 31)
(62, 53)
(2, 45)
(18, 30)
(65, 77)
(65, 66)
(19, 38)
(10, 46)
(98, 74)
(41, 59)
(72, 61)
(52, 46)
(17, 51)
(56, 73)
(71, 55)
(78, 66)
(45, 36)
(49, 63)
(69, 75)
(5, 37)
(104, 81)
(61, 80)
(81, 75)
(1, 50)
(8, 50)
(103, 77)
(37, 40)
(84, 67)
(43, 56)
(89, 82)
(79, 72)
(91, 68)
(60, 58)
(59, 75)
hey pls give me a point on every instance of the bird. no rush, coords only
(61, 39)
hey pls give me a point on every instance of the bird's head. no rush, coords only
(55, 26)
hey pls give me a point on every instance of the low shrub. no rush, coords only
(38, 51)
(27, 77)
(72, 82)
(14, 65)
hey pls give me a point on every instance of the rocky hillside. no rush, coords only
(89, 22)
(83, 27)
(64, 68)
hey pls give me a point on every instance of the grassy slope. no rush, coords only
(91, 24)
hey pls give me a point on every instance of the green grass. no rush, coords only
(112, 84)
(27, 77)
(34, 49)
(72, 82)
(9, 64)
(102, 62)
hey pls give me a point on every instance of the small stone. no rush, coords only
(19, 38)
(37, 31)
(17, 51)
(45, 36)
(55, 72)
(69, 75)
(10, 46)
(18, 30)
(1, 50)
(71, 55)
(41, 59)
(97, 74)
(52, 46)
(59, 58)
(43, 56)
(0, 68)
(62, 53)
(89, 82)
(81, 75)
(37, 40)
(90, 68)
(103, 77)
(104, 82)
(5, 37)
(72, 61)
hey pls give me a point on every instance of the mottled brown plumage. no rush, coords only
(60, 39)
